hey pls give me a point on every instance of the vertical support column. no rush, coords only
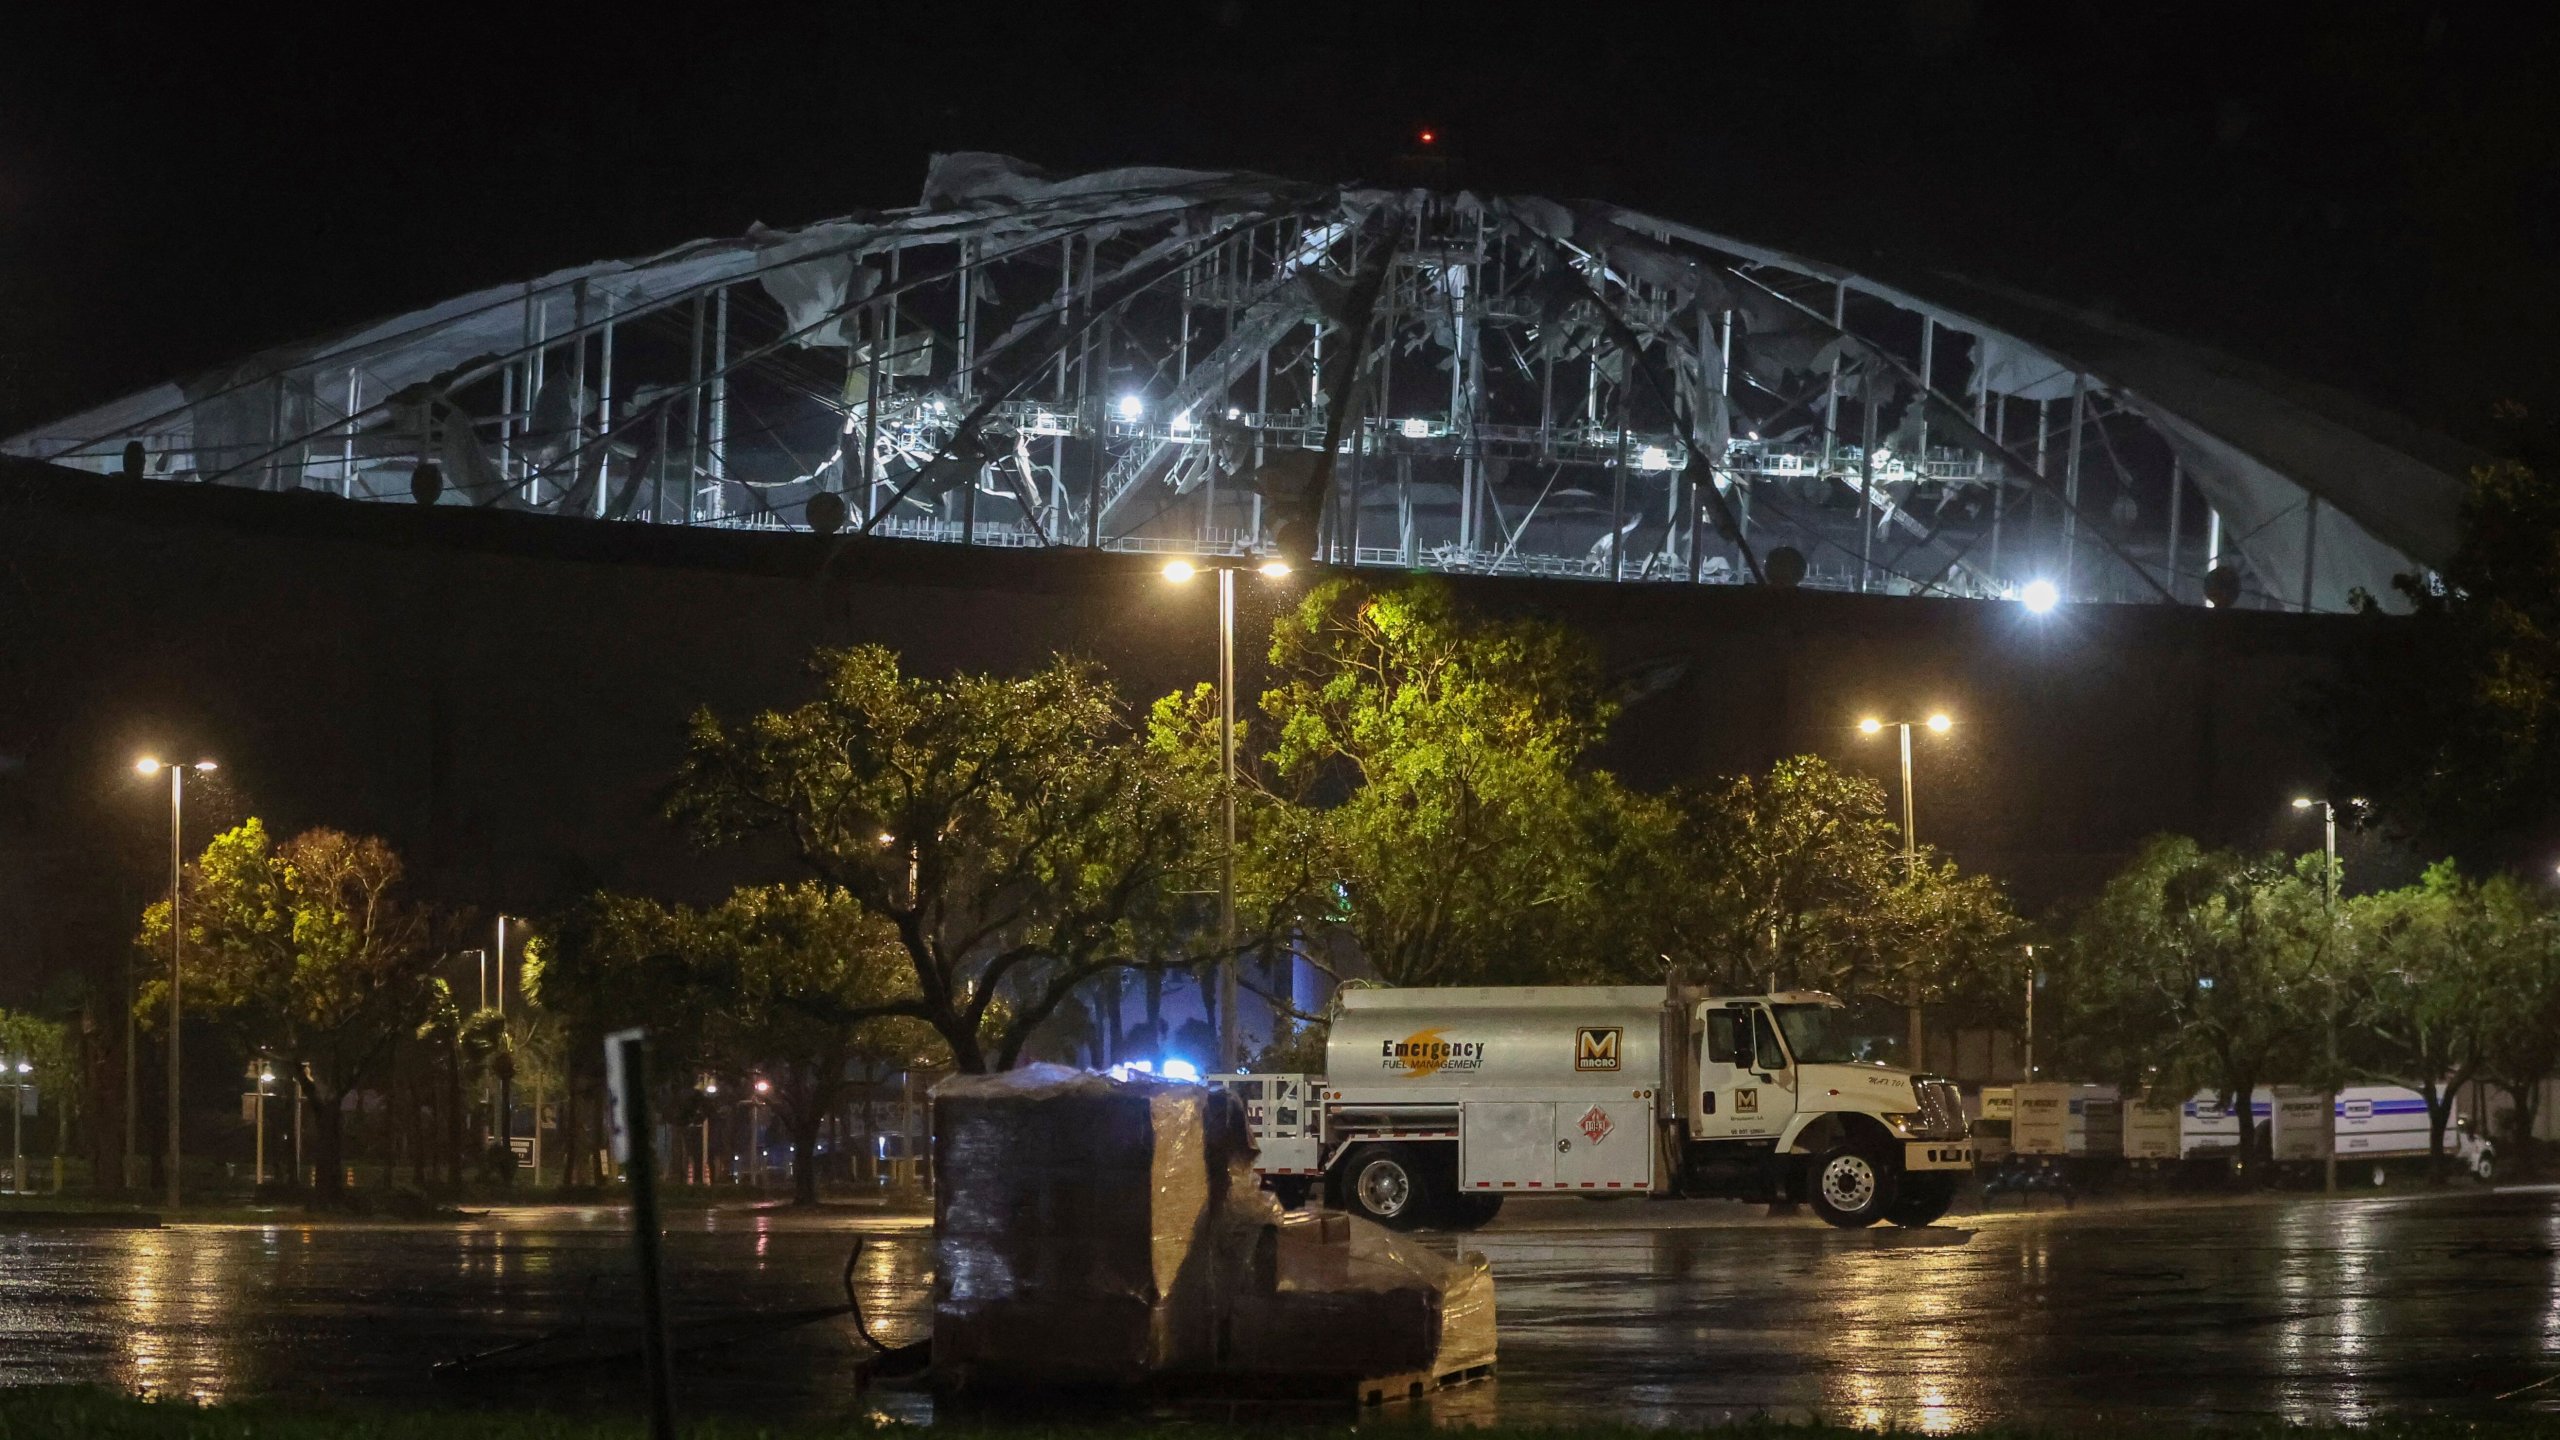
(1058, 387)
(604, 429)
(535, 378)
(2212, 539)
(2044, 477)
(719, 400)
(355, 407)
(1928, 388)
(871, 396)
(693, 421)
(2177, 517)
(2310, 545)
(966, 329)
(2071, 484)
(577, 454)
(2000, 485)
(1866, 476)
(1831, 386)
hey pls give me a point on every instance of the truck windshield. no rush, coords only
(1815, 1034)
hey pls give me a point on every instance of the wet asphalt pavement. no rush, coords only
(1670, 1314)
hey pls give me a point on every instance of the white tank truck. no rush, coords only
(1438, 1104)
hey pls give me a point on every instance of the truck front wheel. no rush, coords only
(1391, 1185)
(1851, 1185)
(1920, 1199)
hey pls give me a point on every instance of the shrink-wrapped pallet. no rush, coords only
(1346, 1298)
(1071, 1215)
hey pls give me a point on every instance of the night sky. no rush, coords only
(2371, 199)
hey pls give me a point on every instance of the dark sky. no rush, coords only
(2365, 195)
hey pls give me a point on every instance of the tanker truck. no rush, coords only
(1436, 1105)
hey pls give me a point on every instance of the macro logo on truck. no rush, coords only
(1424, 1053)
(1596, 1048)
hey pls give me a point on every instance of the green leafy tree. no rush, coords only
(305, 950)
(2520, 997)
(1797, 878)
(1431, 763)
(1020, 836)
(48, 1049)
(2195, 969)
(792, 972)
(2421, 960)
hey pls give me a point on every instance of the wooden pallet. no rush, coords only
(1414, 1385)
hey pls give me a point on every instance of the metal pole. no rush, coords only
(17, 1134)
(1918, 1039)
(643, 1174)
(2329, 906)
(2071, 483)
(2028, 1060)
(1229, 1060)
(130, 1179)
(259, 1171)
(2177, 514)
(177, 971)
(719, 401)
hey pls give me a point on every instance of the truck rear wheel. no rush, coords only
(1851, 1185)
(1393, 1185)
(1920, 1199)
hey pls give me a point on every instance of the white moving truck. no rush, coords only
(1437, 1104)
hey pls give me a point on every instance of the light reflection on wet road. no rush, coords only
(1658, 1314)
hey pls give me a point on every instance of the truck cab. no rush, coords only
(1437, 1104)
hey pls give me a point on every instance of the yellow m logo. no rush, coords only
(1596, 1048)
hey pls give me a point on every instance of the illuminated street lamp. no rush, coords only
(177, 954)
(1179, 572)
(1938, 724)
(2329, 907)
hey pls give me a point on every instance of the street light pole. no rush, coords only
(1230, 1047)
(177, 952)
(1229, 1058)
(2329, 910)
(1938, 724)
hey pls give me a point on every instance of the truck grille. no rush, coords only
(1941, 1109)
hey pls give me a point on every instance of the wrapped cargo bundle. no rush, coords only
(1342, 1297)
(1070, 1216)
(1095, 1234)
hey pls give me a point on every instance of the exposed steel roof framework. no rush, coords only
(1223, 363)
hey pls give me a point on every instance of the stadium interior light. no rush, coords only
(2040, 596)
(1132, 408)
(1178, 571)
(1654, 457)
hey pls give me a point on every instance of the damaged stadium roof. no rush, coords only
(1227, 363)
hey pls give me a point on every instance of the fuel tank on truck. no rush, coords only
(1438, 1042)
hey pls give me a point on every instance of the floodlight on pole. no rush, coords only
(1938, 723)
(152, 765)
(1230, 1057)
(2040, 596)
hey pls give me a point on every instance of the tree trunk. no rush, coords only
(2439, 1114)
(329, 1164)
(570, 1131)
(804, 1155)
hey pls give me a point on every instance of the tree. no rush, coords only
(304, 950)
(47, 1048)
(2194, 968)
(2450, 718)
(1019, 835)
(791, 971)
(2519, 956)
(1431, 763)
(2420, 958)
(1796, 878)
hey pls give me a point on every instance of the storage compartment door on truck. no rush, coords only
(1604, 1143)
(1745, 1090)
(1507, 1145)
